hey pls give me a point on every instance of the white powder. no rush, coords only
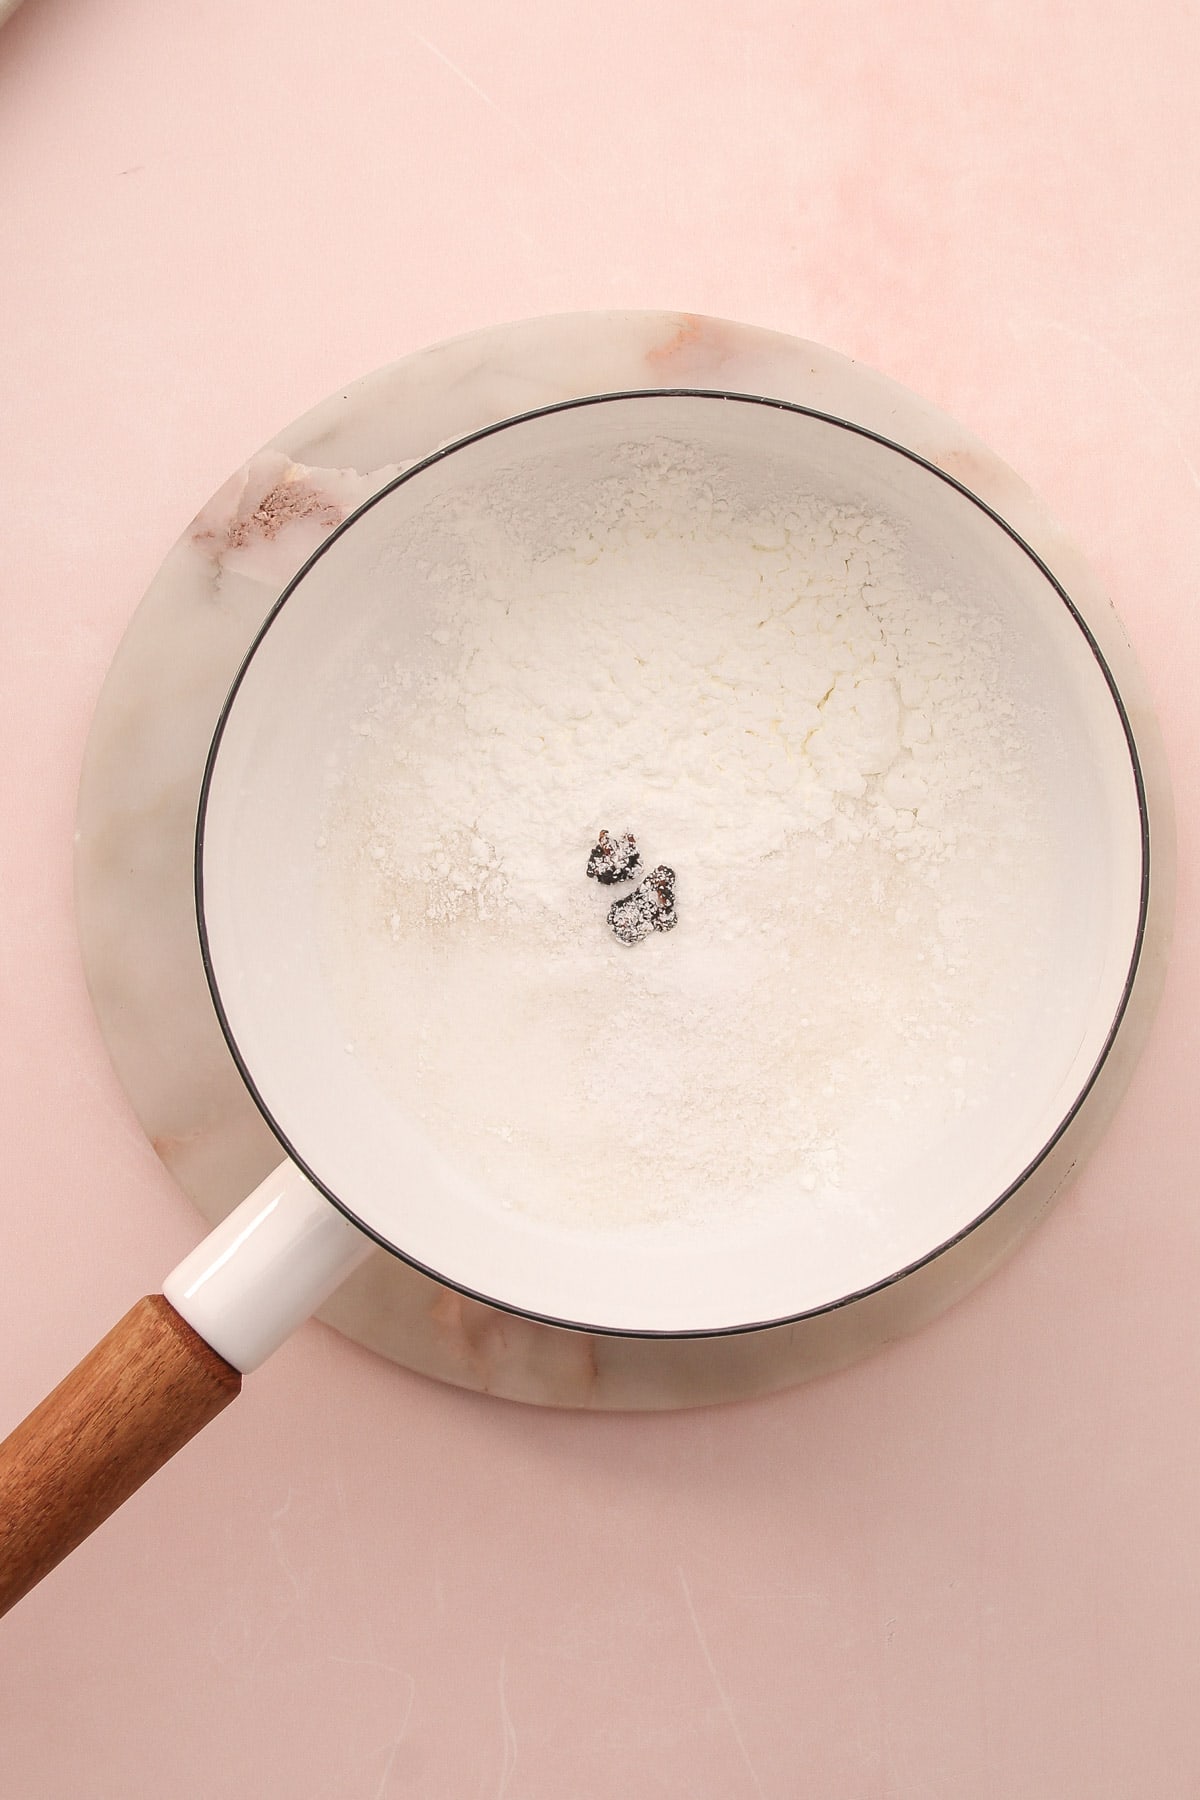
(835, 761)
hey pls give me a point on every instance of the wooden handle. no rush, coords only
(121, 1414)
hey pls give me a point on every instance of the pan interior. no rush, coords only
(828, 689)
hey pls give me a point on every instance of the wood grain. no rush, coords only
(124, 1411)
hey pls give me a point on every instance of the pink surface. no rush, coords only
(967, 1567)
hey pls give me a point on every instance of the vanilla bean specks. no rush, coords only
(614, 859)
(651, 905)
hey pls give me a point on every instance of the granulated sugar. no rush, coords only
(836, 761)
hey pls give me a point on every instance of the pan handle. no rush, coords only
(263, 1270)
(170, 1366)
(120, 1414)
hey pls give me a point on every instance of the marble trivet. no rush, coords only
(150, 736)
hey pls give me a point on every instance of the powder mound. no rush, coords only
(833, 748)
(670, 658)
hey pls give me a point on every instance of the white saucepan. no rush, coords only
(892, 772)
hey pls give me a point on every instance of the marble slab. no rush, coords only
(151, 732)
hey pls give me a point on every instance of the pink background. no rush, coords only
(968, 1567)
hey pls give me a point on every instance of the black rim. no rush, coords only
(716, 1331)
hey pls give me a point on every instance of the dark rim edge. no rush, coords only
(716, 1331)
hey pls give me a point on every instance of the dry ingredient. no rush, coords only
(841, 755)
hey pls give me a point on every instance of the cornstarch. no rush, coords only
(836, 760)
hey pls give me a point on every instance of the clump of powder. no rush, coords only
(832, 755)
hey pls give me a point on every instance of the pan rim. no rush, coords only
(739, 1328)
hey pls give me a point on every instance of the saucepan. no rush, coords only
(672, 865)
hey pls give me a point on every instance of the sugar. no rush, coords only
(836, 760)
